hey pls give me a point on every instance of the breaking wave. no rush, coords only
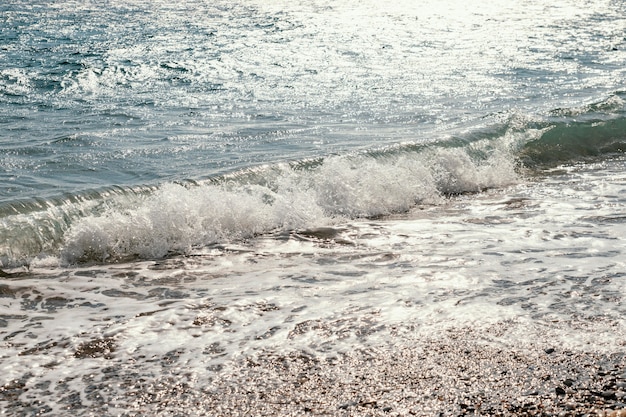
(175, 218)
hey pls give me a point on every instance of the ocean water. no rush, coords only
(184, 185)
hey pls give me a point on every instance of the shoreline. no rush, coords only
(442, 377)
(454, 373)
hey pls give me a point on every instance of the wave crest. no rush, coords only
(177, 219)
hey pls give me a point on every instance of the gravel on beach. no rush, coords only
(442, 377)
(453, 374)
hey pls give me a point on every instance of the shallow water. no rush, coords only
(534, 265)
(186, 187)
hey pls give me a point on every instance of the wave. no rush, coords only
(578, 134)
(176, 218)
(35, 229)
(122, 223)
(575, 142)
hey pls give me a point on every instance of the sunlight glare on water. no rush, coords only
(195, 191)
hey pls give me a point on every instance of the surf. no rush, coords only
(144, 222)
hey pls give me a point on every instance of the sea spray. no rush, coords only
(222, 207)
(154, 221)
(176, 219)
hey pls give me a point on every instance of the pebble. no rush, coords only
(607, 394)
(430, 377)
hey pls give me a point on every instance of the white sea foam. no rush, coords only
(15, 81)
(117, 299)
(176, 219)
(534, 265)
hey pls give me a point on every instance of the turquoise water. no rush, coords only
(181, 175)
(124, 99)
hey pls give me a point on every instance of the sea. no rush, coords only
(185, 185)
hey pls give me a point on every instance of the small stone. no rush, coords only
(617, 413)
(96, 348)
(559, 391)
(568, 382)
(347, 405)
(549, 351)
(368, 403)
(608, 394)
